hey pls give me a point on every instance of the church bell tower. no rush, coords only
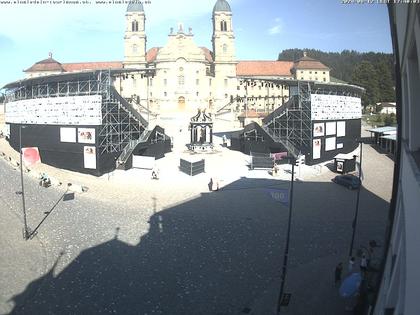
(223, 36)
(135, 36)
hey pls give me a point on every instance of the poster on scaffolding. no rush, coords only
(67, 134)
(316, 148)
(330, 128)
(330, 144)
(318, 129)
(89, 154)
(341, 128)
(86, 135)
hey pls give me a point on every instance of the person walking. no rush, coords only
(210, 184)
(363, 265)
(351, 264)
(337, 273)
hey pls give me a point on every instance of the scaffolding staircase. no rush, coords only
(132, 142)
(288, 145)
(123, 126)
(290, 124)
(227, 108)
(128, 107)
(131, 145)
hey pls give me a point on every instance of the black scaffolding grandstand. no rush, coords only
(291, 124)
(120, 131)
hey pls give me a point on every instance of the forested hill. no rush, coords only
(373, 71)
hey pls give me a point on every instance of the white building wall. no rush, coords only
(313, 75)
(400, 287)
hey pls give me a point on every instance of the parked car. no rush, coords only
(349, 181)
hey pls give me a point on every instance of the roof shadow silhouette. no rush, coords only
(213, 255)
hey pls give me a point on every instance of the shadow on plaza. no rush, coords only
(215, 254)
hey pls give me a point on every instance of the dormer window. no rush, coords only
(134, 26)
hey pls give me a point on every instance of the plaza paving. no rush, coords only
(132, 245)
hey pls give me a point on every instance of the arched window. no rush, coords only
(134, 48)
(223, 26)
(134, 26)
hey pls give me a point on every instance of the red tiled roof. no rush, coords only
(208, 54)
(264, 68)
(83, 66)
(309, 63)
(151, 54)
(49, 64)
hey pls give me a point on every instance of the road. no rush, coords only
(210, 253)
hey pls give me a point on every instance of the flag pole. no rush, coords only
(286, 249)
(356, 212)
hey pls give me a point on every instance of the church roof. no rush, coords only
(208, 54)
(309, 63)
(264, 68)
(151, 54)
(135, 6)
(48, 64)
(221, 6)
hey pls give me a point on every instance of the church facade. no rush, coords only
(183, 77)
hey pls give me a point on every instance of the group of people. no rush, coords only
(45, 181)
(212, 183)
(339, 268)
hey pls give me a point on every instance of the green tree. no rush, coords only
(366, 76)
(386, 85)
(342, 64)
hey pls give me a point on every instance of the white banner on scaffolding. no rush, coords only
(68, 110)
(335, 107)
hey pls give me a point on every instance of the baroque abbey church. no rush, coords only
(181, 77)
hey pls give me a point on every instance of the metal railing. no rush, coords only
(128, 107)
(131, 145)
(290, 147)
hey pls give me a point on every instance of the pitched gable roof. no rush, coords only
(84, 66)
(151, 54)
(208, 53)
(309, 63)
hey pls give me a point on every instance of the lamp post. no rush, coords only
(286, 248)
(26, 230)
(356, 212)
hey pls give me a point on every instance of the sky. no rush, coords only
(95, 32)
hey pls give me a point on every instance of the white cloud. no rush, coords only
(275, 30)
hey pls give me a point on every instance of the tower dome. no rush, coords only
(222, 5)
(135, 6)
